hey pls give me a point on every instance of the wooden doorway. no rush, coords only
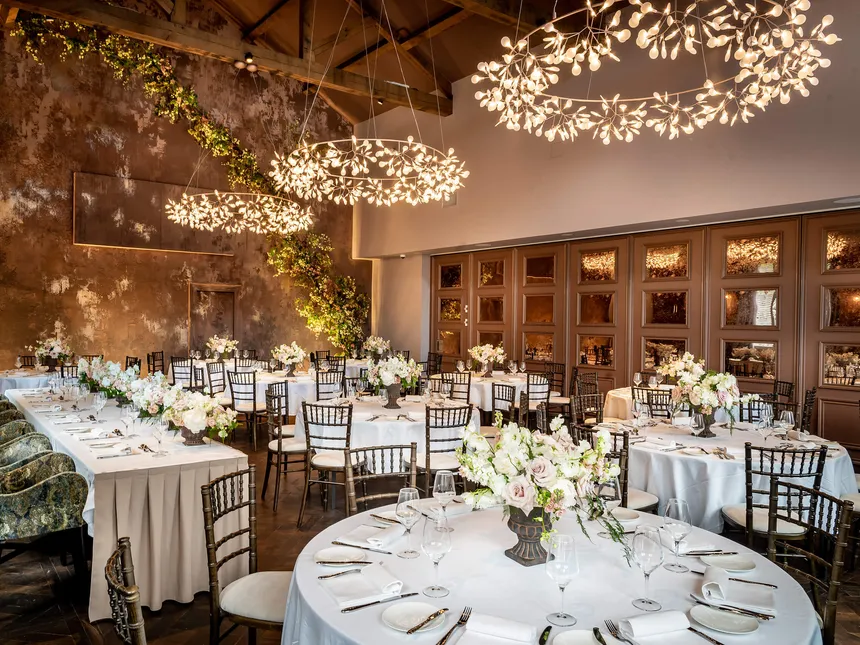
(211, 311)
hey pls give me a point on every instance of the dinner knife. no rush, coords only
(544, 638)
(713, 641)
(379, 518)
(366, 548)
(342, 562)
(749, 582)
(598, 636)
(426, 621)
(378, 602)
(734, 610)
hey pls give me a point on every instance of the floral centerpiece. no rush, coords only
(108, 377)
(54, 349)
(195, 412)
(393, 374)
(223, 346)
(153, 395)
(538, 478)
(704, 391)
(376, 345)
(290, 355)
(486, 355)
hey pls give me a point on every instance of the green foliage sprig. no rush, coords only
(334, 304)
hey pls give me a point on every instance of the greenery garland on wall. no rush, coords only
(334, 305)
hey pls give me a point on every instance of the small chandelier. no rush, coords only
(381, 171)
(765, 38)
(239, 212)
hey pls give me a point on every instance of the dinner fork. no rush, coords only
(613, 629)
(460, 621)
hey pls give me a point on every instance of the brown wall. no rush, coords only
(68, 116)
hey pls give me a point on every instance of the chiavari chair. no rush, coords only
(818, 558)
(434, 363)
(218, 383)
(337, 363)
(586, 383)
(318, 356)
(68, 371)
(555, 373)
(522, 410)
(461, 385)
(244, 364)
(660, 403)
(619, 453)
(588, 409)
(89, 357)
(124, 596)
(328, 431)
(257, 600)
(762, 465)
(243, 390)
(329, 384)
(783, 389)
(180, 368)
(28, 360)
(401, 352)
(284, 450)
(442, 436)
(504, 403)
(155, 362)
(131, 361)
(808, 410)
(565, 398)
(640, 394)
(376, 463)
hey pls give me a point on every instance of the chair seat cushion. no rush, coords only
(438, 461)
(286, 431)
(639, 499)
(560, 400)
(857, 479)
(291, 445)
(261, 596)
(605, 420)
(489, 431)
(331, 459)
(247, 406)
(737, 513)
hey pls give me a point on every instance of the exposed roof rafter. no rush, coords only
(505, 12)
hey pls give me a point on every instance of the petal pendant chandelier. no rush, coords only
(381, 171)
(765, 38)
(239, 212)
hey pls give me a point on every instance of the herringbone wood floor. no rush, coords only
(42, 602)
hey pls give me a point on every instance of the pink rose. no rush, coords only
(520, 494)
(676, 394)
(543, 471)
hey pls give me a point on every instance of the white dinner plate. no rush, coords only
(723, 621)
(733, 563)
(581, 637)
(339, 554)
(625, 515)
(405, 615)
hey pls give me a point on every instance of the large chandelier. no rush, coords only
(239, 212)
(766, 39)
(382, 171)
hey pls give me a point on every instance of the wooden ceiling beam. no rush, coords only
(194, 41)
(8, 15)
(505, 12)
(179, 15)
(260, 27)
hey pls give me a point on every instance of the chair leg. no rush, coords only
(278, 475)
(266, 477)
(252, 636)
(304, 496)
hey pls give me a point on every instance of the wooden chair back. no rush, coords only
(587, 406)
(784, 389)
(217, 382)
(181, 368)
(808, 410)
(438, 435)
(279, 392)
(124, 595)
(327, 427)
(131, 361)
(68, 371)
(571, 383)
(640, 394)
(378, 463)
(586, 383)
(243, 389)
(155, 362)
(555, 374)
(660, 403)
(434, 363)
(537, 387)
(329, 384)
(461, 385)
(28, 360)
(504, 397)
(620, 453)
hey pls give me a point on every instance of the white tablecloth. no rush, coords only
(479, 575)
(154, 501)
(354, 366)
(707, 482)
(481, 388)
(24, 379)
(619, 403)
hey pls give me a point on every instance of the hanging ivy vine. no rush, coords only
(334, 305)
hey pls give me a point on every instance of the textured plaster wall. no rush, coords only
(68, 116)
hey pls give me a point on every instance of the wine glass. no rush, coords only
(159, 431)
(786, 420)
(99, 402)
(436, 542)
(443, 490)
(610, 494)
(18, 362)
(512, 367)
(562, 566)
(676, 522)
(208, 353)
(659, 378)
(523, 367)
(324, 366)
(129, 414)
(408, 516)
(637, 379)
(446, 392)
(652, 382)
(648, 556)
(461, 366)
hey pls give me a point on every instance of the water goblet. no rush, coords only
(786, 420)
(461, 366)
(324, 366)
(159, 431)
(648, 556)
(562, 566)
(408, 515)
(652, 382)
(444, 491)
(676, 522)
(697, 423)
(512, 367)
(637, 379)
(523, 367)
(18, 362)
(99, 402)
(436, 542)
(660, 378)
(208, 353)
(246, 354)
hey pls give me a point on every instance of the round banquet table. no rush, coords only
(354, 366)
(480, 576)
(708, 482)
(24, 379)
(481, 388)
(619, 404)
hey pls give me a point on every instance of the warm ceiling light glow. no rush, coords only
(381, 171)
(766, 39)
(239, 212)
(249, 58)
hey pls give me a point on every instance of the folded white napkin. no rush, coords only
(373, 536)
(483, 629)
(48, 408)
(414, 398)
(118, 449)
(432, 508)
(656, 443)
(644, 625)
(719, 589)
(387, 536)
(373, 583)
(88, 433)
(685, 546)
(66, 420)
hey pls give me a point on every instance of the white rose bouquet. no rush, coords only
(55, 346)
(376, 345)
(487, 354)
(393, 370)
(154, 394)
(108, 377)
(223, 346)
(199, 412)
(289, 354)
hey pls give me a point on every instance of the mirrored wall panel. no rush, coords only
(494, 338)
(842, 306)
(843, 250)
(751, 307)
(449, 342)
(665, 307)
(491, 309)
(752, 255)
(662, 350)
(667, 261)
(538, 347)
(598, 351)
(597, 266)
(492, 273)
(749, 359)
(450, 276)
(597, 308)
(842, 365)
(450, 309)
(540, 270)
(539, 309)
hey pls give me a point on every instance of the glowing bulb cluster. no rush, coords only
(381, 171)
(239, 212)
(765, 39)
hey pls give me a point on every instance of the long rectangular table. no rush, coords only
(156, 502)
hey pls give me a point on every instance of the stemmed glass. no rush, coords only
(461, 366)
(408, 516)
(129, 414)
(512, 367)
(208, 353)
(659, 378)
(652, 382)
(444, 491)
(637, 379)
(324, 366)
(18, 362)
(436, 542)
(159, 431)
(786, 420)
(562, 566)
(84, 391)
(676, 522)
(446, 393)
(648, 556)
(99, 402)
(246, 354)
(523, 367)
(697, 423)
